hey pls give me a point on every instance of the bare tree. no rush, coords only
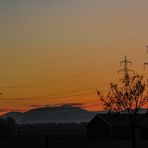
(129, 98)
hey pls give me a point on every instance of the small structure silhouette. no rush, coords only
(115, 126)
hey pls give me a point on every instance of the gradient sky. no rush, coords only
(60, 51)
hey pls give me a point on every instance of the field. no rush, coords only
(55, 136)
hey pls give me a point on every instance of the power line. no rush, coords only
(59, 81)
(73, 91)
(62, 95)
(72, 76)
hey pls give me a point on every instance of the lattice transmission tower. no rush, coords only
(146, 63)
(126, 70)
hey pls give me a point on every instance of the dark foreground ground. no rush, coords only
(59, 136)
(40, 141)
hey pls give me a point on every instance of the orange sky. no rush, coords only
(56, 52)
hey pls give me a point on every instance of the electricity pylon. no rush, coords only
(146, 63)
(126, 70)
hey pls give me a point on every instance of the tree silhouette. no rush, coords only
(11, 124)
(7, 126)
(128, 98)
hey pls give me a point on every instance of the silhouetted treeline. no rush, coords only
(53, 124)
(54, 129)
(7, 126)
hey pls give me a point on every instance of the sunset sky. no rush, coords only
(60, 51)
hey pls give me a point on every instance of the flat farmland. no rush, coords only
(57, 136)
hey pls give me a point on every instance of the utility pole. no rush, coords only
(1, 95)
(126, 71)
(146, 63)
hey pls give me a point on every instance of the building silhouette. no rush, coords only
(116, 126)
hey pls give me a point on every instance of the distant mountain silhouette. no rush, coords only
(65, 113)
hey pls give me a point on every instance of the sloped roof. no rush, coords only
(118, 120)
